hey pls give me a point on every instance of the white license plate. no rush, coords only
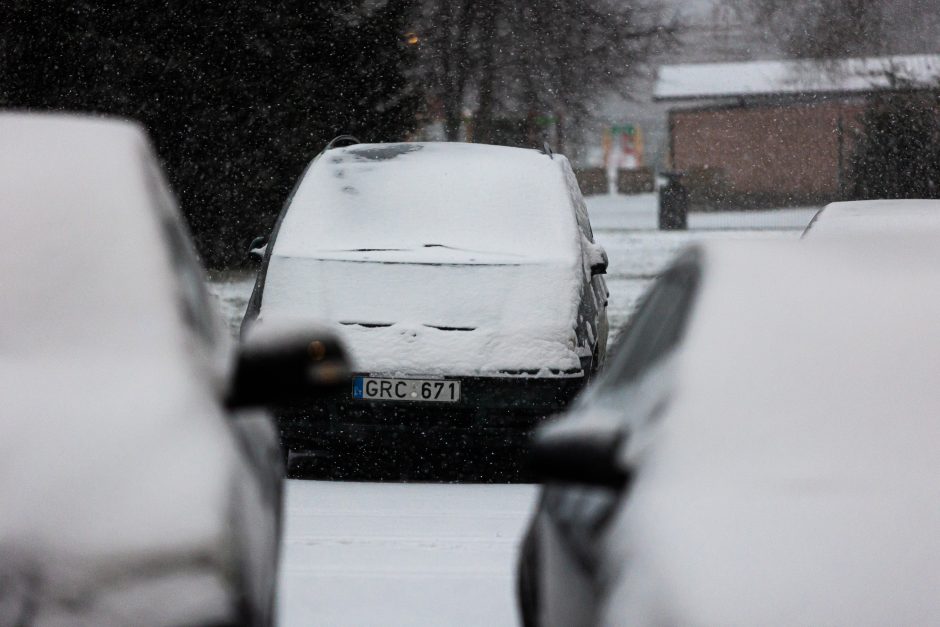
(423, 390)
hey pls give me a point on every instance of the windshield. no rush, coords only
(446, 201)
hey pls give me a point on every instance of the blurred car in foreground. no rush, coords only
(873, 217)
(137, 484)
(463, 278)
(763, 449)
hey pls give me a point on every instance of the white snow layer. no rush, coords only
(761, 78)
(434, 259)
(401, 554)
(793, 479)
(872, 217)
(405, 197)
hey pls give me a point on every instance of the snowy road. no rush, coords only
(401, 554)
(437, 554)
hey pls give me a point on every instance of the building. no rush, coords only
(775, 133)
(711, 32)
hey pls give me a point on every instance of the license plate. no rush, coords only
(422, 390)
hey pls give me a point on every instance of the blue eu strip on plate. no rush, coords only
(357, 387)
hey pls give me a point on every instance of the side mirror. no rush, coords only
(598, 260)
(281, 366)
(579, 452)
(257, 248)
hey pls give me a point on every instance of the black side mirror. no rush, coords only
(284, 366)
(598, 260)
(569, 453)
(257, 248)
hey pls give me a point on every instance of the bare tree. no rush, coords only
(532, 60)
(845, 28)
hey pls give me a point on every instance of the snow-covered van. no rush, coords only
(463, 278)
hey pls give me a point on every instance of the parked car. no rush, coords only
(464, 279)
(762, 450)
(872, 217)
(139, 482)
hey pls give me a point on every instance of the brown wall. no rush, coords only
(763, 155)
(592, 181)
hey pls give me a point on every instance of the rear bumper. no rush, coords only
(488, 405)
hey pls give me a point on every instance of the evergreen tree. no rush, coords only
(897, 154)
(237, 95)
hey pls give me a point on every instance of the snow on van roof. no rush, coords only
(439, 201)
(793, 476)
(769, 78)
(875, 216)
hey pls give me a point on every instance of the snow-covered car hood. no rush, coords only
(112, 489)
(435, 316)
(873, 217)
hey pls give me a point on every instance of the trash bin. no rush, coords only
(673, 203)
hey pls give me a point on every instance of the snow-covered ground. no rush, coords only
(639, 213)
(401, 554)
(232, 290)
(441, 554)
(626, 227)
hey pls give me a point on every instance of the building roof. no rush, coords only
(693, 81)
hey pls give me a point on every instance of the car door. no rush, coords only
(252, 429)
(593, 328)
(561, 557)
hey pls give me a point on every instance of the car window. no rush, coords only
(577, 201)
(195, 304)
(657, 326)
(192, 296)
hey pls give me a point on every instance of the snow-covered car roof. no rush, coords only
(431, 201)
(793, 478)
(82, 251)
(875, 216)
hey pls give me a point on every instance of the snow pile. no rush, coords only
(792, 481)
(872, 217)
(449, 259)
